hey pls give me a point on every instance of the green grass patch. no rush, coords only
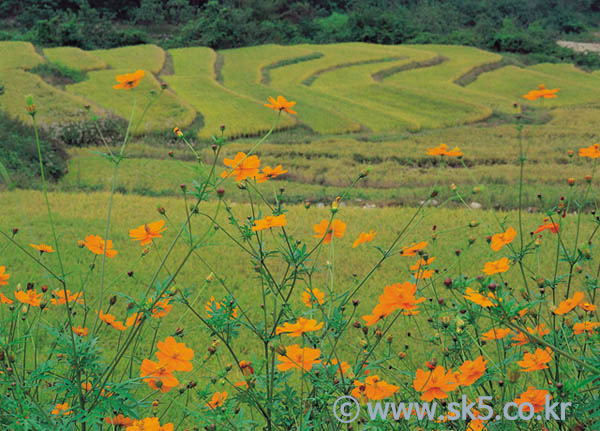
(53, 105)
(132, 58)
(166, 113)
(58, 74)
(513, 82)
(19, 55)
(75, 58)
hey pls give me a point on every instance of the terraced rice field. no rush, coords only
(358, 105)
(339, 88)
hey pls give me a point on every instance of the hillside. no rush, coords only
(338, 88)
(359, 105)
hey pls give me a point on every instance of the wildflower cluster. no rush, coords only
(276, 352)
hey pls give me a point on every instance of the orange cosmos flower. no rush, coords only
(214, 305)
(569, 304)
(580, 328)
(497, 266)
(325, 229)
(268, 222)
(434, 384)
(119, 421)
(111, 320)
(161, 308)
(129, 80)
(5, 300)
(268, 173)
(59, 297)
(586, 306)
(442, 150)
(374, 388)
(537, 398)
(159, 375)
(30, 297)
(422, 263)
(217, 400)
(495, 334)
(479, 299)
(281, 104)
(413, 249)
(241, 166)
(341, 368)
(241, 385)
(471, 371)
(542, 92)
(364, 237)
(298, 357)
(62, 409)
(499, 240)
(4, 276)
(97, 245)
(400, 296)
(314, 296)
(302, 326)
(522, 338)
(79, 330)
(396, 296)
(176, 354)
(134, 319)
(246, 368)
(147, 232)
(593, 151)
(423, 274)
(536, 361)
(149, 424)
(552, 227)
(42, 248)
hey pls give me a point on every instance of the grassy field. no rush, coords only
(148, 57)
(169, 111)
(359, 105)
(52, 103)
(74, 58)
(81, 214)
(195, 81)
(401, 171)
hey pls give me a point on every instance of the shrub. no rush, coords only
(59, 74)
(90, 132)
(19, 153)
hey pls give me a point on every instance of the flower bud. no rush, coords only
(571, 181)
(513, 374)
(178, 132)
(588, 178)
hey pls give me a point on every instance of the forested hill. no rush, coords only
(517, 26)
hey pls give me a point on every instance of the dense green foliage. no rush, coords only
(59, 73)
(529, 27)
(19, 154)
